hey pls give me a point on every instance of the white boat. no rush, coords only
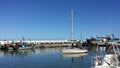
(108, 60)
(74, 50)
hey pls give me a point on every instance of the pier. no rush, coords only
(14, 44)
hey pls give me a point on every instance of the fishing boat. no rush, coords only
(25, 47)
(73, 50)
(21, 46)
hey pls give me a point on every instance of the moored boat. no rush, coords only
(25, 47)
(74, 50)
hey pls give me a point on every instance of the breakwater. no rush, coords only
(37, 44)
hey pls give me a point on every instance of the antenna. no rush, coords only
(72, 24)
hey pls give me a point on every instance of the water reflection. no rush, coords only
(45, 58)
(74, 58)
(44, 51)
(73, 55)
(27, 53)
(16, 53)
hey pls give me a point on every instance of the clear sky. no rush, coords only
(50, 19)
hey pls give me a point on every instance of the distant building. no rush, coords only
(103, 38)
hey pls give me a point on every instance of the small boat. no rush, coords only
(23, 47)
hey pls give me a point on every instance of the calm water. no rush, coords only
(45, 58)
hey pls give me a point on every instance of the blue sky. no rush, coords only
(50, 19)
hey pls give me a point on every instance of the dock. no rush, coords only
(38, 44)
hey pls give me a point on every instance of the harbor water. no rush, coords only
(45, 58)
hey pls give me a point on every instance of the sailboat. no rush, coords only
(73, 50)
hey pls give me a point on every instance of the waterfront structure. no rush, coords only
(2, 42)
(27, 44)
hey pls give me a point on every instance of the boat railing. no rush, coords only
(96, 61)
(115, 55)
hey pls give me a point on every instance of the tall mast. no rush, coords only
(111, 31)
(81, 35)
(72, 25)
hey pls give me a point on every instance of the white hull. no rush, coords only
(72, 51)
(108, 62)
